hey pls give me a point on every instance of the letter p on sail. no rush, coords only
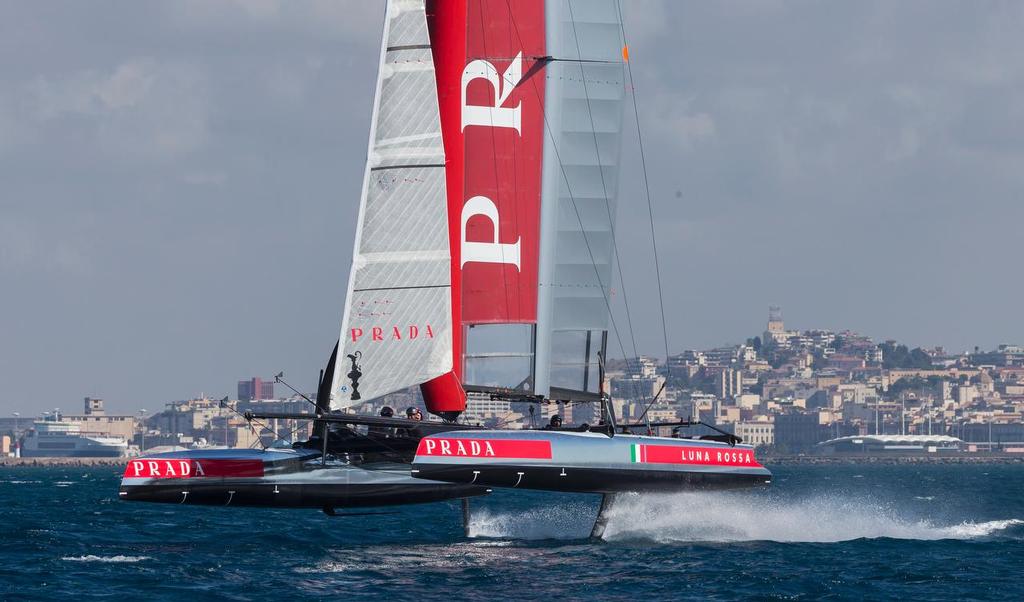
(486, 252)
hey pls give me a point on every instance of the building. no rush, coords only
(889, 445)
(480, 408)
(730, 383)
(636, 387)
(799, 432)
(642, 367)
(255, 388)
(757, 432)
(95, 421)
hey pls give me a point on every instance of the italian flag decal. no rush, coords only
(688, 454)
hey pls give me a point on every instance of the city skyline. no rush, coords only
(242, 390)
(178, 216)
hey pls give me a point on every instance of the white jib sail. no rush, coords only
(397, 327)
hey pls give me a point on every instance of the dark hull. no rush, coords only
(313, 495)
(586, 462)
(589, 480)
(74, 453)
(278, 479)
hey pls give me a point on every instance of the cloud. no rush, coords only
(324, 18)
(141, 108)
(691, 129)
(205, 178)
(25, 249)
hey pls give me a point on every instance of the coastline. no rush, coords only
(889, 460)
(41, 462)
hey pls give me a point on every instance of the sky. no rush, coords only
(179, 181)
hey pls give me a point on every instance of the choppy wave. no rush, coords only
(730, 517)
(570, 521)
(93, 558)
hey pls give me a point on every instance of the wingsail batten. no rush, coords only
(397, 327)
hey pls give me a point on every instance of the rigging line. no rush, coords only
(647, 192)
(653, 399)
(572, 199)
(607, 201)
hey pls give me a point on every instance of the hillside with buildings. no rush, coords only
(785, 391)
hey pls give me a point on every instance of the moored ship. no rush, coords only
(53, 438)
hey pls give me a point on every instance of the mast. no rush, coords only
(446, 25)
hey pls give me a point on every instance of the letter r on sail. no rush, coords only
(495, 116)
(486, 252)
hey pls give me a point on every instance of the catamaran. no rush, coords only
(483, 264)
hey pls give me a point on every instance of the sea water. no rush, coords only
(912, 532)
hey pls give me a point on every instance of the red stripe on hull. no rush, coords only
(485, 448)
(679, 454)
(183, 468)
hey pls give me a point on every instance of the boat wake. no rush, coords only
(731, 517)
(569, 521)
(93, 558)
(726, 517)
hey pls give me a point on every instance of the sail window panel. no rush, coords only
(501, 372)
(569, 347)
(594, 371)
(570, 377)
(499, 338)
(574, 360)
(569, 350)
(499, 355)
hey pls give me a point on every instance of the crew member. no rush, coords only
(555, 423)
(383, 431)
(413, 413)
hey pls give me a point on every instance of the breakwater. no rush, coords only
(37, 462)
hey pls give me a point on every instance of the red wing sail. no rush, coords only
(530, 97)
(502, 123)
